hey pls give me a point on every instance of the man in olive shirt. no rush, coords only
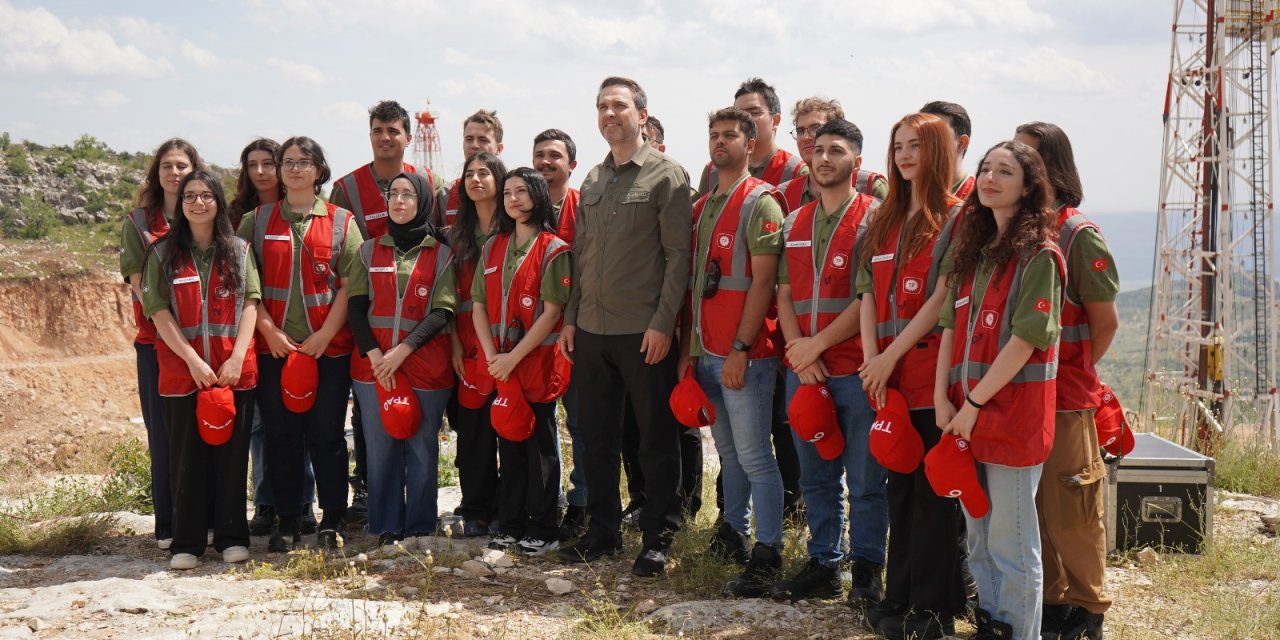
(631, 259)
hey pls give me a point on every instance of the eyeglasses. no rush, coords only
(402, 196)
(803, 132)
(190, 198)
(299, 165)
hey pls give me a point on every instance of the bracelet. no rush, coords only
(969, 399)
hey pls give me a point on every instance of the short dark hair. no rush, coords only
(556, 134)
(954, 114)
(488, 118)
(539, 193)
(657, 126)
(1059, 160)
(756, 85)
(843, 128)
(311, 149)
(745, 124)
(638, 96)
(390, 111)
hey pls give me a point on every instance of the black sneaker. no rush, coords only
(264, 520)
(1052, 618)
(867, 584)
(332, 526)
(729, 545)
(651, 562)
(813, 581)
(874, 612)
(387, 541)
(1080, 625)
(588, 549)
(359, 509)
(916, 625)
(286, 536)
(631, 515)
(574, 523)
(309, 524)
(763, 569)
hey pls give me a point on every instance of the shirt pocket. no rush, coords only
(621, 214)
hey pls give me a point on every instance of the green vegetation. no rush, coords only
(32, 219)
(16, 157)
(1248, 467)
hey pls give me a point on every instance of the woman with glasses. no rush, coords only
(201, 289)
(403, 294)
(303, 245)
(518, 300)
(157, 203)
(477, 457)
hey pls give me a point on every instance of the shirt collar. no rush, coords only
(638, 159)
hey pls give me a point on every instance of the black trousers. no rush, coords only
(529, 488)
(923, 570)
(690, 464)
(477, 462)
(319, 430)
(157, 438)
(359, 476)
(631, 455)
(609, 367)
(203, 474)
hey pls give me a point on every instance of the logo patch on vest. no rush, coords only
(223, 292)
(423, 291)
(989, 319)
(913, 286)
(1042, 305)
(840, 260)
(724, 240)
(1100, 264)
(321, 268)
(526, 301)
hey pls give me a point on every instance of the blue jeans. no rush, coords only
(1004, 548)
(577, 495)
(262, 493)
(824, 493)
(157, 438)
(403, 474)
(743, 435)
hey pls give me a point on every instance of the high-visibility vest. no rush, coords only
(368, 202)
(900, 290)
(394, 313)
(316, 268)
(521, 303)
(566, 225)
(1078, 384)
(209, 321)
(151, 226)
(465, 272)
(793, 190)
(965, 188)
(716, 318)
(783, 166)
(451, 205)
(1014, 427)
(820, 294)
(863, 180)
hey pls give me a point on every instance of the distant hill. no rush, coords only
(1123, 366)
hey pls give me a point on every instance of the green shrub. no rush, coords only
(4, 141)
(65, 169)
(18, 164)
(31, 220)
(1246, 467)
(87, 147)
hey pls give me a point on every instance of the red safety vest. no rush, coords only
(208, 314)
(793, 190)
(521, 302)
(1014, 427)
(368, 202)
(783, 166)
(150, 227)
(273, 243)
(452, 204)
(965, 188)
(393, 313)
(716, 318)
(820, 295)
(465, 272)
(567, 224)
(1078, 384)
(900, 291)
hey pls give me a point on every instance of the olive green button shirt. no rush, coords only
(764, 238)
(556, 280)
(157, 289)
(296, 325)
(339, 197)
(631, 248)
(445, 294)
(1040, 281)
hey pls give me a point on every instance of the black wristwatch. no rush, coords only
(741, 346)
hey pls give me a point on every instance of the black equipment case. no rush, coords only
(1161, 496)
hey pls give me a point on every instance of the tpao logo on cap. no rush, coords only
(884, 426)
(962, 444)
(501, 401)
(395, 400)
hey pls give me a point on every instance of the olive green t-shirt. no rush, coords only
(338, 196)
(157, 290)
(1033, 320)
(704, 181)
(132, 253)
(296, 325)
(1092, 269)
(556, 279)
(879, 188)
(824, 228)
(445, 294)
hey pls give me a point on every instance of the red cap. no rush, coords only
(1114, 433)
(298, 380)
(953, 473)
(561, 372)
(476, 384)
(510, 413)
(399, 409)
(215, 414)
(894, 441)
(812, 413)
(689, 403)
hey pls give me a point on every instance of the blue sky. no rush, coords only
(220, 73)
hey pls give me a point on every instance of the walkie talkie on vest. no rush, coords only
(712, 283)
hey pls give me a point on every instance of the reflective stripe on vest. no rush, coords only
(1078, 387)
(142, 221)
(394, 312)
(451, 205)
(369, 204)
(892, 326)
(392, 321)
(550, 251)
(864, 179)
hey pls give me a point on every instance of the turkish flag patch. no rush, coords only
(1100, 264)
(1042, 305)
(770, 226)
(565, 281)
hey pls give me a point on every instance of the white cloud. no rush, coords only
(922, 16)
(297, 71)
(211, 116)
(36, 42)
(199, 56)
(75, 98)
(345, 111)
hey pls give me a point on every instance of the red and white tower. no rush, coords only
(427, 151)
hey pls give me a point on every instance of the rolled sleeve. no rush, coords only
(1036, 312)
(765, 231)
(1092, 267)
(446, 291)
(557, 280)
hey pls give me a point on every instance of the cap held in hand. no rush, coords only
(399, 409)
(298, 381)
(953, 473)
(894, 441)
(476, 385)
(812, 413)
(1114, 433)
(690, 404)
(215, 414)
(510, 413)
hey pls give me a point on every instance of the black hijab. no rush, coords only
(411, 234)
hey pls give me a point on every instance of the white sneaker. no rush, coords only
(535, 547)
(209, 537)
(183, 561)
(164, 543)
(235, 554)
(502, 542)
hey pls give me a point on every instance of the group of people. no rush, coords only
(853, 340)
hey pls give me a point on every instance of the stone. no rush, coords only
(36, 624)
(559, 586)
(408, 592)
(476, 568)
(646, 606)
(621, 588)
(697, 618)
(1148, 556)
